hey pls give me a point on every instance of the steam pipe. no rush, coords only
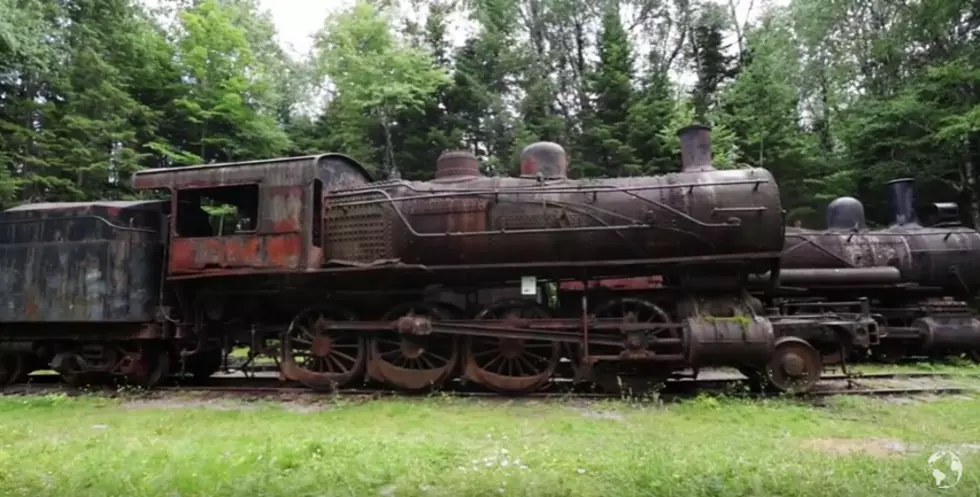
(881, 275)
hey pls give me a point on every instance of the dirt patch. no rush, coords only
(226, 403)
(882, 447)
(596, 414)
(189, 403)
(878, 447)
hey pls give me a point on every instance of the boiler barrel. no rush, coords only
(528, 221)
(673, 216)
(939, 257)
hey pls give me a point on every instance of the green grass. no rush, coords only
(454, 447)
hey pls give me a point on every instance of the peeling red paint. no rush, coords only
(640, 283)
(190, 255)
(285, 224)
(283, 251)
(284, 212)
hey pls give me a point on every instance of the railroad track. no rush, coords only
(272, 387)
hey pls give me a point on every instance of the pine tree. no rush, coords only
(606, 134)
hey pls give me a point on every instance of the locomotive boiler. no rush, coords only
(410, 284)
(463, 224)
(920, 279)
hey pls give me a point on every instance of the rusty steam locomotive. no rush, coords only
(411, 284)
(920, 279)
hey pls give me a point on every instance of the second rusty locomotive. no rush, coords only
(409, 284)
(920, 279)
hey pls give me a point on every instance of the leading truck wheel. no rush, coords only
(795, 367)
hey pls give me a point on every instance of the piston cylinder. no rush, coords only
(717, 341)
(949, 333)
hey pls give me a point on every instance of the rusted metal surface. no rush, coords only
(199, 255)
(626, 284)
(80, 262)
(727, 341)
(881, 275)
(285, 210)
(318, 357)
(945, 256)
(695, 148)
(546, 160)
(412, 358)
(949, 333)
(288, 226)
(336, 170)
(948, 258)
(512, 365)
(457, 164)
(795, 366)
(835, 249)
(499, 221)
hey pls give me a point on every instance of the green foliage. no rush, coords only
(224, 108)
(653, 109)
(708, 53)
(607, 150)
(834, 98)
(373, 72)
(723, 148)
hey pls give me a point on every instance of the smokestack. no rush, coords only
(695, 148)
(901, 200)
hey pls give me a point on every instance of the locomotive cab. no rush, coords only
(249, 217)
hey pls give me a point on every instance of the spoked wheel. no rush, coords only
(320, 358)
(640, 375)
(410, 361)
(795, 367)
(144, 364)
(512, 366)
(11, 368)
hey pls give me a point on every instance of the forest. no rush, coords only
(835, 97)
